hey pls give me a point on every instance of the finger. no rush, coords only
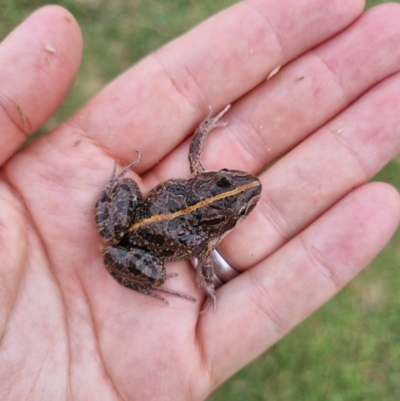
(278, 114)
(281, 112)
(38, 64)
(266, 302)
(12, 236)
(158, 102)
(344, 154)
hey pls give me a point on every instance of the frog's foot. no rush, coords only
(128, 167)
(211, 299)
(156, 296)
(138, 287)
(212, 122)
(148, 290)
(177, 293)
(197, 145)
(205, 274)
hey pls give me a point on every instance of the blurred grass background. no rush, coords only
(350, 348)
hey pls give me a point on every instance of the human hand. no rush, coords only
(331, 116)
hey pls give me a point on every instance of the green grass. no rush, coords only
(350, 348)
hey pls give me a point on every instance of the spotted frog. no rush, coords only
(179, 219)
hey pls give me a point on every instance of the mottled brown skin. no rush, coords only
(179, 219)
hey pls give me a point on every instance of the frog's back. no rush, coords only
(178, 218)
(165, 225)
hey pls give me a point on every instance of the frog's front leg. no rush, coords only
(197, 145)
(115, 208)
(138, 270)
(205, 273)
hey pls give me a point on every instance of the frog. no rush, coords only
(177, 220)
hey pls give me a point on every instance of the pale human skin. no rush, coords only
(68, 329)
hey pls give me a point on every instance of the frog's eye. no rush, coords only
(224, 181)
(242, 211)
(225, 170)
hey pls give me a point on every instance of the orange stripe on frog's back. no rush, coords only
(160, 217)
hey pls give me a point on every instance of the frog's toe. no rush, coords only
(177, 293)
(156, 296)
(169, 275)
(211, 299)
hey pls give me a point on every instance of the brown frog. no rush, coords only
(178, 219)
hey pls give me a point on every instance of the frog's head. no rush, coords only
(241, 191)
(231, 197)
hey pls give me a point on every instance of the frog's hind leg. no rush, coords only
(140, 271)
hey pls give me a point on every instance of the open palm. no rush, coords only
(331, 117)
